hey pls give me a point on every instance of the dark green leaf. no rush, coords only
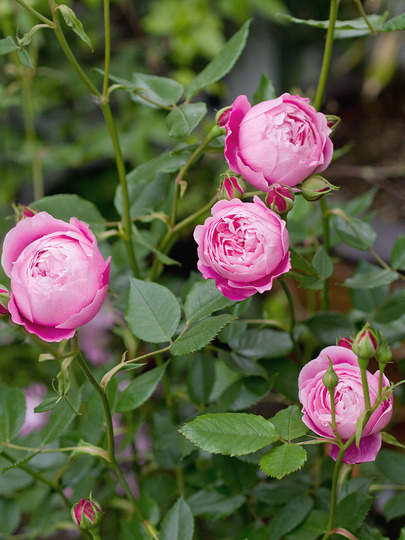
(395, 507)
(10, 517)
(167, 162)
(358, 499)
(144, 198)
(368, 300)
(244, 393)
(290, 516)
(73, 22)
(178, 523)
(140, 389)
(201, 378)
(203, 299)
(283, 460)
(47, 404)
(233, 434)
(288, 423)
(213, 504)
(313, 283)
(24, 58)
(160, 90)
(299, 263)
(262, 343)
(392, 465)
(357, 234)
(7, 45)
(66, 205)
(12, 411)
(60, 418)
(200, 334)
(392, 310)
(314, 526)
(368, 276)
(242, 365)
(329, 326)
(323, 263)
(153, 312)
(182, 120)
(265, 90)
(222, 63)
(398, 253)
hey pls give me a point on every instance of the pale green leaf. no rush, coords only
(182, 120)
(323, 263)
(7, 45)
(178, 523)
(74, 23)
(60, 418)
(288, 423)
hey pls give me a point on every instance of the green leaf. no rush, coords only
(398, 253)
(357, 234)
(314, 526)
(178, 523)
(288, 423)
(313, 283)
(290, 516)
(368, 300)
(214, 504)
(330, 326)
(368, 276)
(10, 517)
(262, 343)
(396, 23)
(323, 263)
(24, 58)
(162, 91)
(47, 404)
(201, 378)
(222, 63)
(65, 206)
(200, 334)
(265, 90)
(244, 393)
(299, 263)
(73, 22)
(60, 418)
(395, 507)
(167, 162)
(241, 364)
(140, 389)
(392, 465)
(392, 310)
(144, 198)
(153, 312)
(162, 257)
(283, 460)
(390, 439)
(203, 299)
(7, 45)
(358, 499)
(182, 120)
(233, 434)
(12, 411)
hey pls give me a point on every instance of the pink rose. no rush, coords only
(59, 279)
(280, 140)
(349, 403)
(243, 247)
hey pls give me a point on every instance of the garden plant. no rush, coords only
(180, 369)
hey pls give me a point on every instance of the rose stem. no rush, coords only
(333, 414)
(149, 528)
(363, 363)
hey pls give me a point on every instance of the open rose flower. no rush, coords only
(59, 279)
(279, 140)
(349, 403)
(243, 247)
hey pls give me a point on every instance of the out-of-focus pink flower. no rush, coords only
(34, 395)
(281, 140)
(349, 403)
(243, 247)
(94, 337)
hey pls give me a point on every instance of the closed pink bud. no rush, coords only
(86, 513)
(280, 198)
(222, 116)
(4, 297)
(366, 343)
(232, 188)
(346, 342)
(315, 187)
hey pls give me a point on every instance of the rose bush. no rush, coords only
(243, 247)
(59, 279)
(349, 403)
(279, 140)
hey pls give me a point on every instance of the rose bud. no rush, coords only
(383, 354)
(315, 187)
(366, 343)
(222, 116)
(330, 379)
(86, 513)
(346, 342)
(232, 188)
(280, 198)
(4, 299)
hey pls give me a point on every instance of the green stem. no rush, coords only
(326, 245)
(34, 12)
(107, 46)
(327, 55)
(292, 318)
(333, 495)
(95, 533)
(363, 363)
(333, 414)
(364, 15)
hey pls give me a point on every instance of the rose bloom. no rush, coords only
(279, 140)
(34, 395)
(243, 247)
(59, 279)
(349, 403)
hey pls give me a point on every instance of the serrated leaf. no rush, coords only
(368, 276)
(12, 411)
(396, 23)
(283, 460)
(140, 389)
(20, 462)
(214, 504)
(288, 423)
(221, 64)
(182, 120)
(290, 516)
(200, 334)
(233, 434)
(7, 45)
(265, 90)
(60, 418)
(323, 263)
(346, 517)
(203, 299)
(162, 91)
(178, 524)
(201, 378)
(73, 22)
(313, 527)
(398, 253)
(153, 312)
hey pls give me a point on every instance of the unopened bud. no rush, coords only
(315, 187)
(4, 299)
(21, 212)
(346, 343)
(86, 513)
(222, 116)
(366, 343)
(280, 198)
(332, 121)
(330, 379)
(232, 188)
(383, 354)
